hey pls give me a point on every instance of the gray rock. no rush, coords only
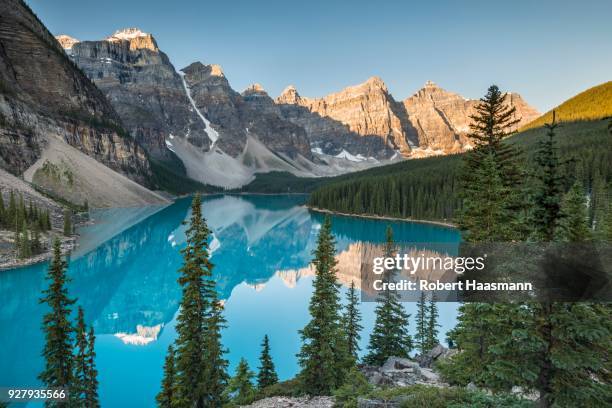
(289, 402)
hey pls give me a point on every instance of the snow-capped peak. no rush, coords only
(128, 33)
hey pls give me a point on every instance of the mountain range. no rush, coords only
(101, 120)
(223, 137)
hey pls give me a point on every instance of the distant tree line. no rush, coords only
(430, 188)
(26, 221)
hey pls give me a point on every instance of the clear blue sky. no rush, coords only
(545, 50)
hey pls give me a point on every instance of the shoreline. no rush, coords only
(382, 217)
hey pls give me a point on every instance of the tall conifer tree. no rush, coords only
(323, 353)
(91, 389)
(240, 388)
(166, 395)
(390, 335)
(420, 337)
(57, 328)
(200, 367)
(267, 374)
(80, 366)
(352, 323)
(432, 323)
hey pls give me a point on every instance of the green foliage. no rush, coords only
(390, 335)
(80, 369)
(429, 188)
(420, 337)
(165, 397)
(57, 327)
(421, 396)
(573, 224)
(200, 369)
(67, 223)
(240, 389)
(267, 374)
(351, 322)
(323, 356)
(548, 187)
(432, 323)
(91, 389)
(289, 388)
(594, 103)
(354, 386)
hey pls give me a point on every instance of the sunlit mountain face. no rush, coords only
(125, 277)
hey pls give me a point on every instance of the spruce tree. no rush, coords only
(548, 192)
(240, 388)
(166, 395)
(57, 328)
(352, 323)
(491, 179)
(67, 223)
(323, 354)
(91, 390)
(80, 364)
(35, 243)
(267, 374)
(432, 323)
(390, 334)
(420, 337)
(12, 210)
(24, 247)
(574, 223)
(200, 367)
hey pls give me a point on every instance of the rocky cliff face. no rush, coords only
(43, 95)
(362, 120)
(440, 120)
(236, 116)
(143, 87)
(365, 119)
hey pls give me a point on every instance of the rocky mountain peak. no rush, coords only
(289, 95)
(254, 90)
(375, 82)
(66, 41)
(136, 38)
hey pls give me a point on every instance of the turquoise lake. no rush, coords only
(124, 274)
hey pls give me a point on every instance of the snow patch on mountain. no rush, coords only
(212, 133)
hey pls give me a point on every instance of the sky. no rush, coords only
(545, 50)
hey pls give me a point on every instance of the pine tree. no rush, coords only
(24, 247)
(432, 323)
(352, 323)
(390, 334)
(80, 364)
(35, 243)
(91, 390)
(267, 374)
(57, 328)
(12, 210)
(166, 395)
(549, 187)
(240, 387)
(200, 367)
(420, 337)
(574, 223)
(67, 223)
(323, 354)
(491, 179)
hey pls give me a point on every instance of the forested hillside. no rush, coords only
(427, 188)
(594, 103)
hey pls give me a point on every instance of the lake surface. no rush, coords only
(124, 274)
